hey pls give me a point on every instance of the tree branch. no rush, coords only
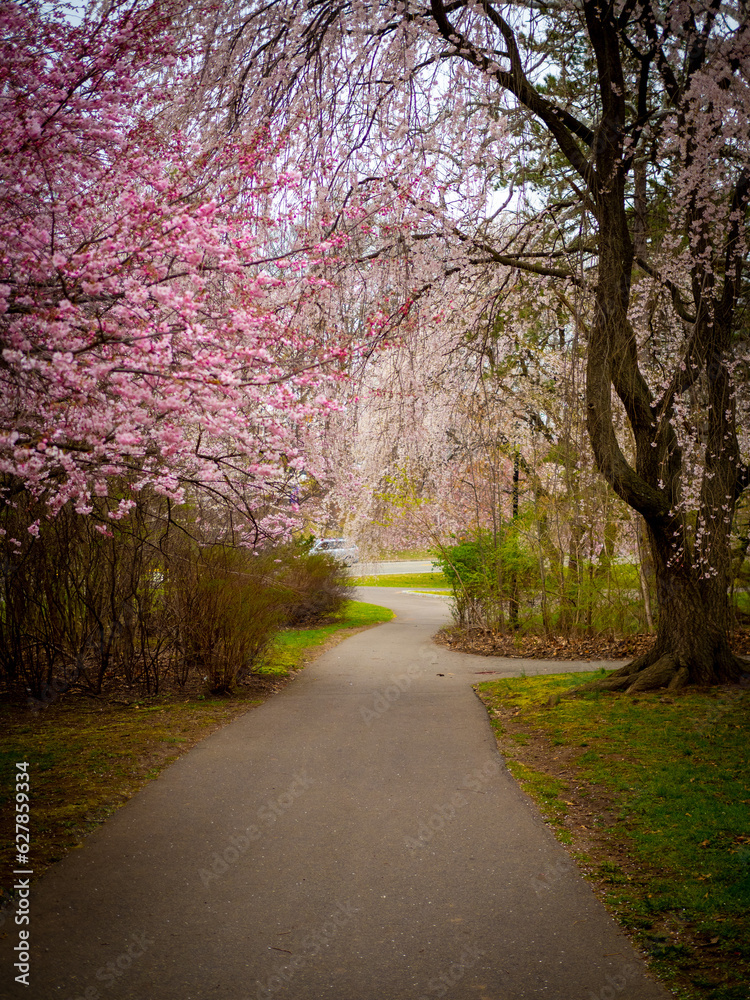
(559, 123)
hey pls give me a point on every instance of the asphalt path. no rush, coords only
(356, 837)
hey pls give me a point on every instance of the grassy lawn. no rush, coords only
(293, 647)
(88, 756)
(652, 795)
(403, 555)
(410, 581)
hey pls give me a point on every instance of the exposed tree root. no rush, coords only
(655, 670)
(611, 683)
(658, 675)
(639, 663)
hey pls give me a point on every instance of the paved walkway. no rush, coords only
(354, 838)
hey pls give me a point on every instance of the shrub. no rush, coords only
(222, 612)
(475, 573)
(312, 588)
(488, 574)
(100, 603)
(71, 597)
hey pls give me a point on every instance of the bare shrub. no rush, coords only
(71, 597)
(106, 604)
(313, 588)
(223, 613)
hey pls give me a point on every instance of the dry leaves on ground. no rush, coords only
(485, 642)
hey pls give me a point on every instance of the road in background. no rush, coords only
(396, 566)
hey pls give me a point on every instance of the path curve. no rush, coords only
(354, 838)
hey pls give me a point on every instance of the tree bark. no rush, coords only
(513, 602)
(692, 643)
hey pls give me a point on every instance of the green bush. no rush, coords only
(475, 571)
(489, 575)
(500, 586)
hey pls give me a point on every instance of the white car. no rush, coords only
(338, 548)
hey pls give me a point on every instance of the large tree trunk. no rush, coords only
(693, 574)
(692, 644)
(692, 566)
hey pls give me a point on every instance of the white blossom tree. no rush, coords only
(627, 123)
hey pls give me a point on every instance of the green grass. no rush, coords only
(408, 580)
(547, 791)
(404, 554)
(290, 648)
(673, 774)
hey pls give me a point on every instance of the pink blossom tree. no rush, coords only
(148, 330)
